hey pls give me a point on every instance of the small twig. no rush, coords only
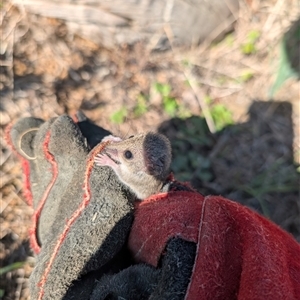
(273, 15)
(4, 204)
(4, 12)
(214, 85)
(199, 95)
(229, 93)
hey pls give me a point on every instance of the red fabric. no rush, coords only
(240, 254)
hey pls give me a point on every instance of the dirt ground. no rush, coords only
(46, 71)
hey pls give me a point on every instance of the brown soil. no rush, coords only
(46, 71)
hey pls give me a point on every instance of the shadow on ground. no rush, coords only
(251, 163)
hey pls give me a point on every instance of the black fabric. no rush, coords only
(135, 283)
(176, 270)
(169, 281)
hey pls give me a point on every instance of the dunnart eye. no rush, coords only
(128, 154)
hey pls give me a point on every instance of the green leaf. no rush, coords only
(185, 62)
(246, 76)
(285, 70)
(221, 115)
(207, 99)
(183, 113)
(170, 106)
(141, 106)
(253, 36)
(229, 39)
(11, 267)
(249, 47)
(163, 89)
(119, 116)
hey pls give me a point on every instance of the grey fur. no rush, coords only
(145, 171)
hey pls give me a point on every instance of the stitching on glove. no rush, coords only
(35, 218)
(20, 143)
(27, 194)
(71, 221)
